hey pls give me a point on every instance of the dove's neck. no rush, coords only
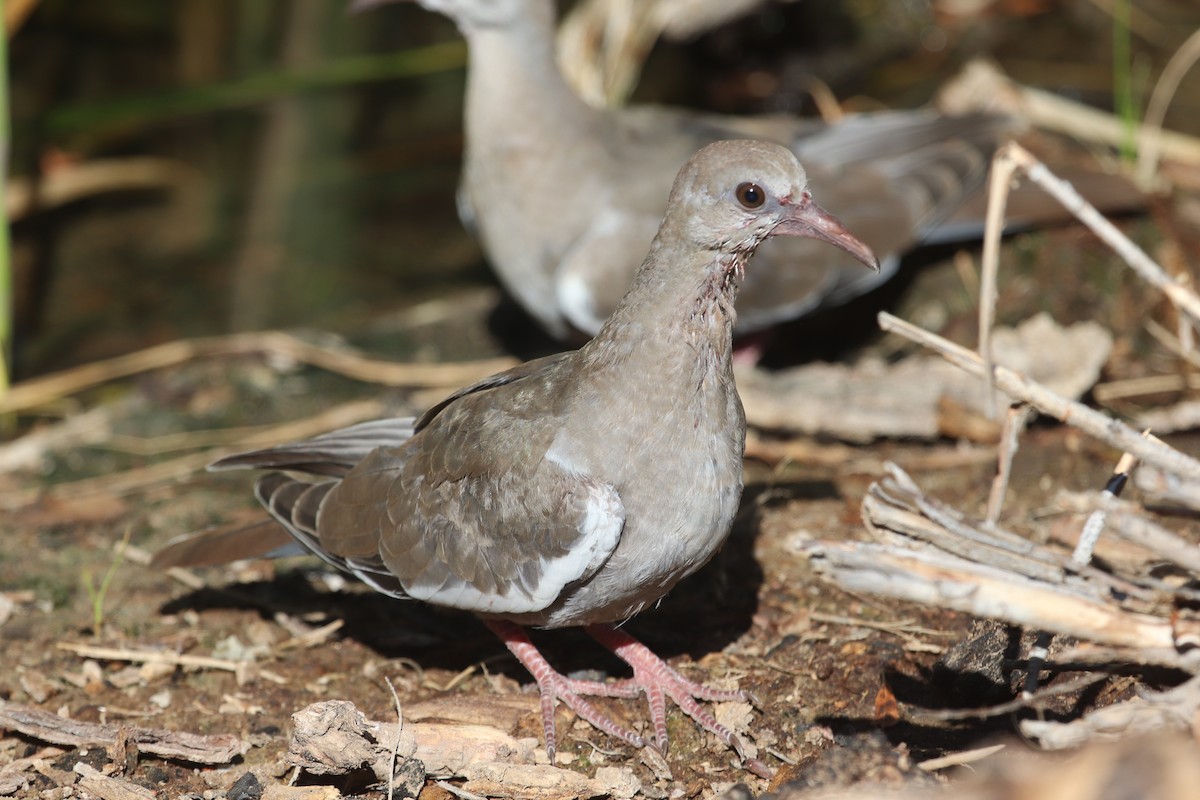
(677, 319)
(515, 93)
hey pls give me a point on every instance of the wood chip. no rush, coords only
(191, 747)
(334, 737)
(934, 555)
(107, 787)
(871, 399)
(277, 792)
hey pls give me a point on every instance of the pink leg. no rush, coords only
(660, 681)
(554, 685)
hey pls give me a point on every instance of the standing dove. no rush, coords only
(577, 489)
(565, 198)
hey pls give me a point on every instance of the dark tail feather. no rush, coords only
(227, 544)
(332, 454)
(292, 503)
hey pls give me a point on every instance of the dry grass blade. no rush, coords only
(342, 361)
(1168, 83)
(960, 758)
(162, 657)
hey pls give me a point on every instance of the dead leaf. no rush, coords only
(887, 710)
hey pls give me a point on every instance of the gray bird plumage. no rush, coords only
(579, 488)
(565, 198)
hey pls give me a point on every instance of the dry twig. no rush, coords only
(1175, 709)
(1014, 423)
(163, 657)
(1037, 700)
(1105, 428)
(960, 758)
(934, 555)
(192, 747)
(1012, 156)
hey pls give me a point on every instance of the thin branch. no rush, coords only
(1182, 297)
(1002, 709)
(48, 727)
(1014, 423)
(998, 188)
(1101, 426)
(1168, 82)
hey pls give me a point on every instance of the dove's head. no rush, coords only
(731, 195)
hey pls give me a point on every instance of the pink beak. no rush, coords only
(806, 218)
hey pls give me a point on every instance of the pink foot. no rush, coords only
(651, 675)
(659, 681)
(553, 685)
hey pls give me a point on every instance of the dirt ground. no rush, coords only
(94, 483)
(841, 679)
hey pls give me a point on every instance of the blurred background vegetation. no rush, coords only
(194, 167)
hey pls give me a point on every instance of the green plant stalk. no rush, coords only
(6, 282)
(1123, 101)
(97, 595)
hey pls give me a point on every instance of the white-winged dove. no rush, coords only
(565, 198)
(574, 490)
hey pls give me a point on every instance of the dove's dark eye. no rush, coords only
(751, 195)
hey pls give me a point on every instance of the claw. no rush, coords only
(651, 675)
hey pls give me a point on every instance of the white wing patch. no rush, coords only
(600, 528)
(577, 303)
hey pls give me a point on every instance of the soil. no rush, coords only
(837, 676)
(841, 679)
